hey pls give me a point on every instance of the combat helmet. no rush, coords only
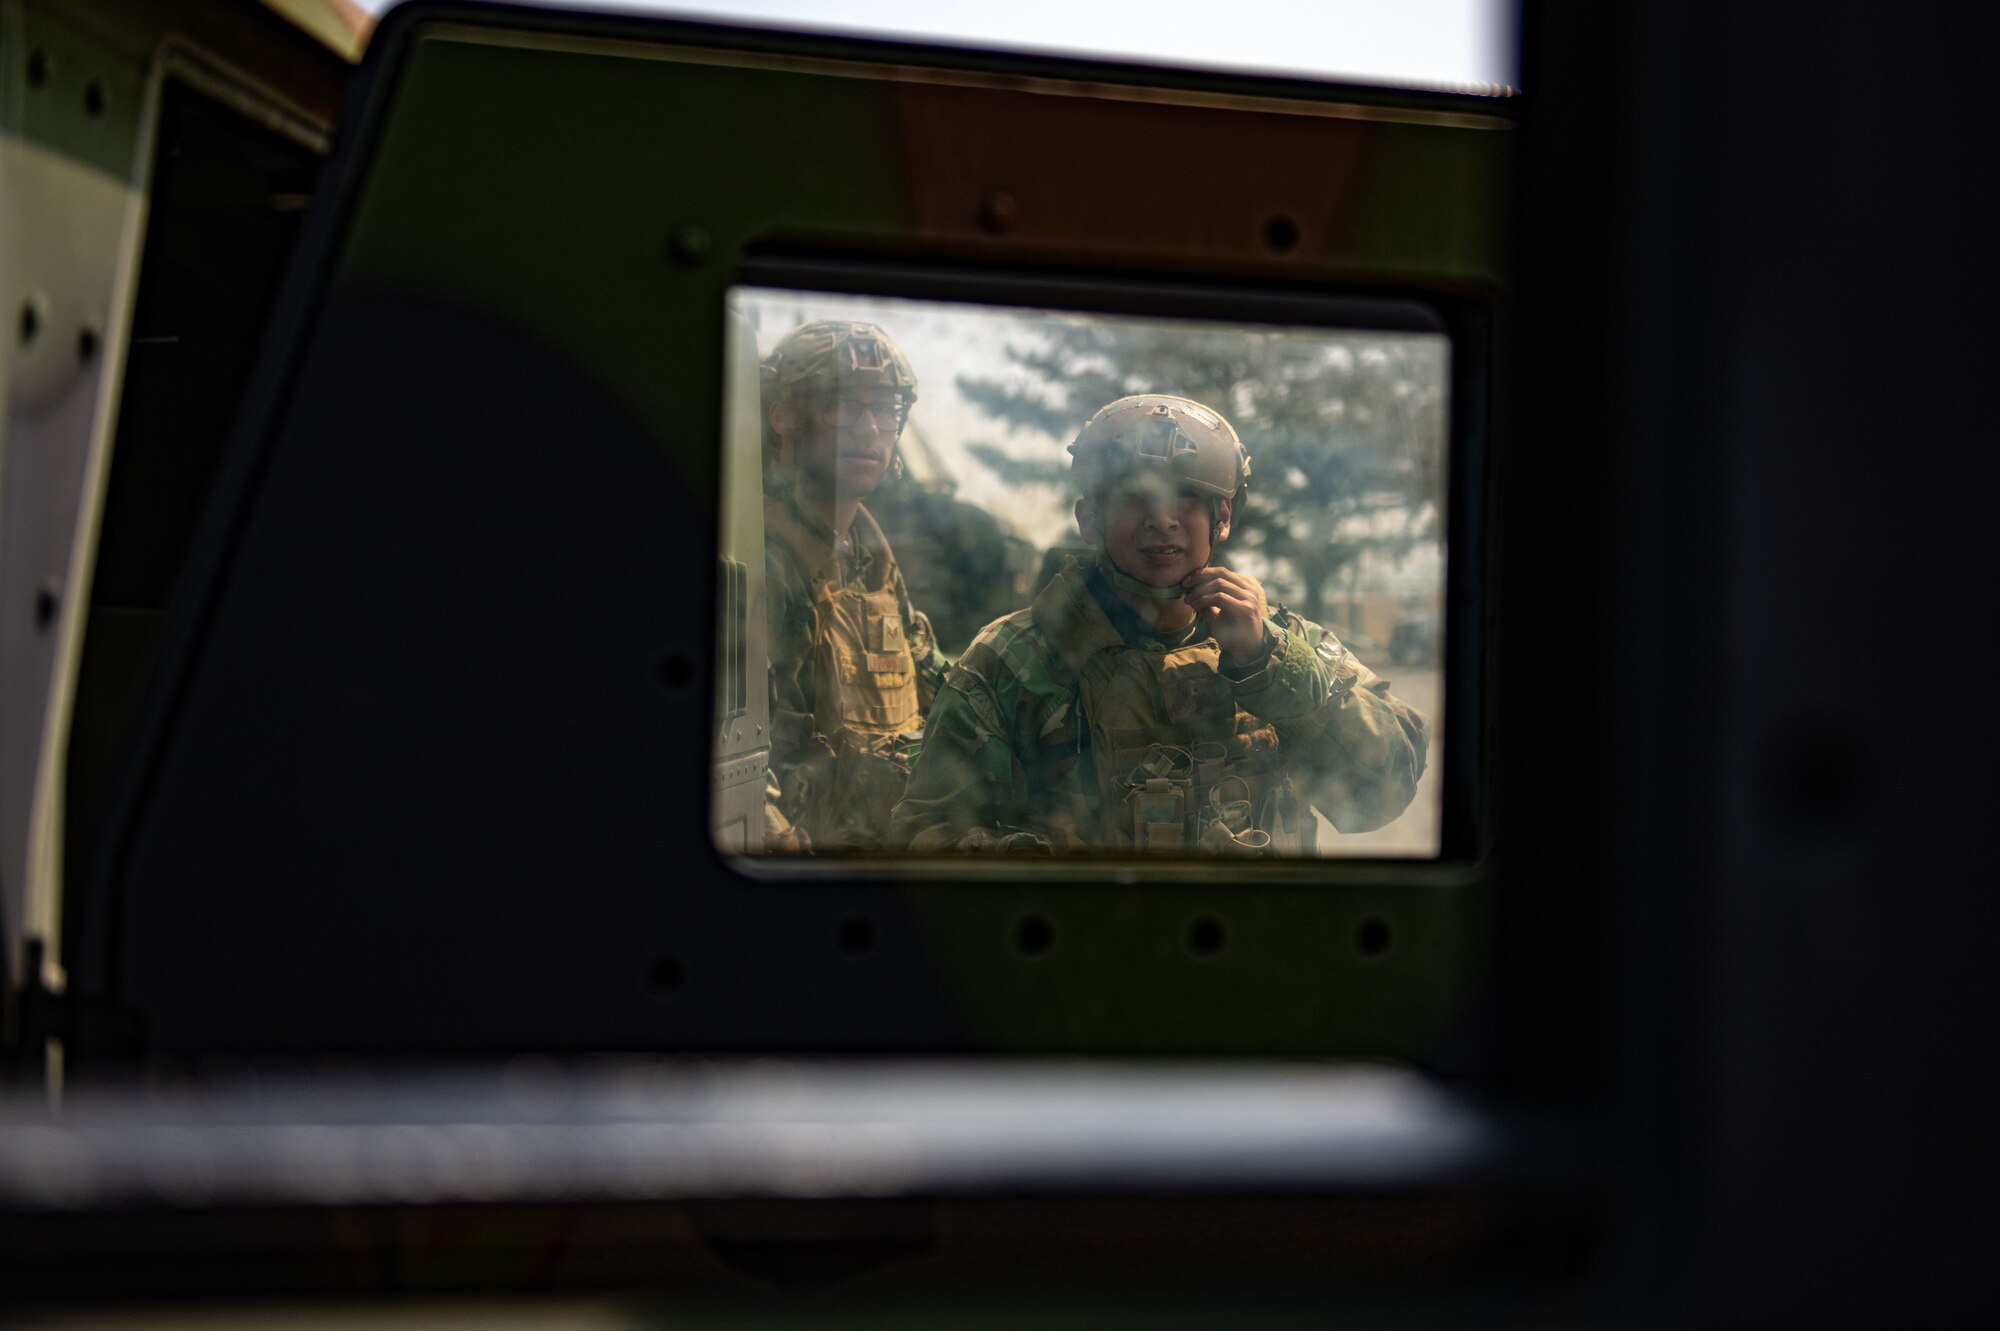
(1174, 437)
(831, 354)
(838, 352)
(1156, 434)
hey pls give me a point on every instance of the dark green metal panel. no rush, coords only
(588, 189)
(1243, 967)
(72, 92)
(544, 187)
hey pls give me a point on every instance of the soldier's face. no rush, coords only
(1154, 531)
(843, 437)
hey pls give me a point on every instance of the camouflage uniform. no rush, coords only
(853, 668)
(1076, 724)
(1194, 754)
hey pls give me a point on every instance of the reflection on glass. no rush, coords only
(1043, 583)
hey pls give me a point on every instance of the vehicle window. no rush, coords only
(1045, 583)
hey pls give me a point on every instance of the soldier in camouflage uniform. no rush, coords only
(1150, 701)
(853, 667)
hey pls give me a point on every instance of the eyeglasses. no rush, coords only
(847, 411)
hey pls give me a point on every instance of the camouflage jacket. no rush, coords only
(1006, 750)
(792, 624)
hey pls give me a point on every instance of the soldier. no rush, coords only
(1149, 700)
(853, 667)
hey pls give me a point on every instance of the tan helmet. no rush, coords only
(1156, 433)
(838, 352)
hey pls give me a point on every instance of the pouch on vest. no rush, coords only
(886, 653)
(1226, 827)
(1192, 689)
(1159, 815)
(1289, 820)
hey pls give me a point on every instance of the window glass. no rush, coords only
(1045, 583)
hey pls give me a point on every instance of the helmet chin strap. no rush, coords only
(1125, 582)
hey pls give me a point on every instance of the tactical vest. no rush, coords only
(1179, 766)
(864, 682)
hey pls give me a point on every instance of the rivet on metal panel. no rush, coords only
(1205, 936)
(857, 935)
(998, 212)
(1034, 935)
(689, 244)
(675, 671)
(665, 976)
(1371, 938)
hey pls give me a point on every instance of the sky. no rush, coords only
(1409, 42)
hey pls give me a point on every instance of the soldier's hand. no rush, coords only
(1233, 606)
(782, 836)
(791, 841)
